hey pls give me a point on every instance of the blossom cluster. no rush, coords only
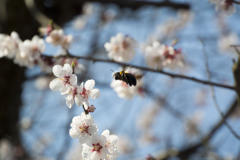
(225, 5)
(29, 53)
(94, 146)
(159, 55)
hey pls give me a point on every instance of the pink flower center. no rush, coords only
(125, 44)
(97, 147)
(74, 92)
(66, 80)
(84, 128)
(171, 56)
(84, 93)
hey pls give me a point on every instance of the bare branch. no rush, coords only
(146, 69)
(214, 96)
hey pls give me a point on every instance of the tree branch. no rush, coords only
(145, 69)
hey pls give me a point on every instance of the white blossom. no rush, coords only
(87, 91)
(224, 5)
(45, 31)
(103, 147)
(9, 45)
(56, 37)
(75, 153)
(125, 145)
(83, 127)
(120, 48)
(73, 95)
(225, 42)
(110, 142)
(159, 55)
(67, 41)
(80, 22)
(32, 49)
(65, 78)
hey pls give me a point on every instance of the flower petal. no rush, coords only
(89, 84)
(67, 67)
(73, 79)
(95, 93)
(79, 100)
(55, 84)
(69, 101)
(58, 71)
(73, 133)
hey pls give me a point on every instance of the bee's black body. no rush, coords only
(126, 77)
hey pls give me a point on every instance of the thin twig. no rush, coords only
(214, 96)
(236, 2)
(145, 69)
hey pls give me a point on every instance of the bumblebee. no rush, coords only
(126, 77)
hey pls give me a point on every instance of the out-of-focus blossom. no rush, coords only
(9, 45)
(67, 41)
(159, 55)
(225, 5)
(191, 127)
(80, 22)
(6, 150)
(75, 153)
(225, 42)
(121, 48)
(147, 116)
(147, 138)
(125, 145)
(32, 49)
(42, 82)
(83, 127)
(88, 8)
(56, 37)
(45, 31)
(200, 97)
(125, 91)
(65, 78)
(25, 123)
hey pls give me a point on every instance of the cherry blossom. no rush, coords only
(226, 41)
(83, 127)
(224, 5)
(101, 147)
(73, 95)
(32, 49)
(121, 48)
(56, 37)
(9, 45)
(110, 142)
(159, 55)
(88, 91)
(65, 78)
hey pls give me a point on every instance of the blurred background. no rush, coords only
(166, 118)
